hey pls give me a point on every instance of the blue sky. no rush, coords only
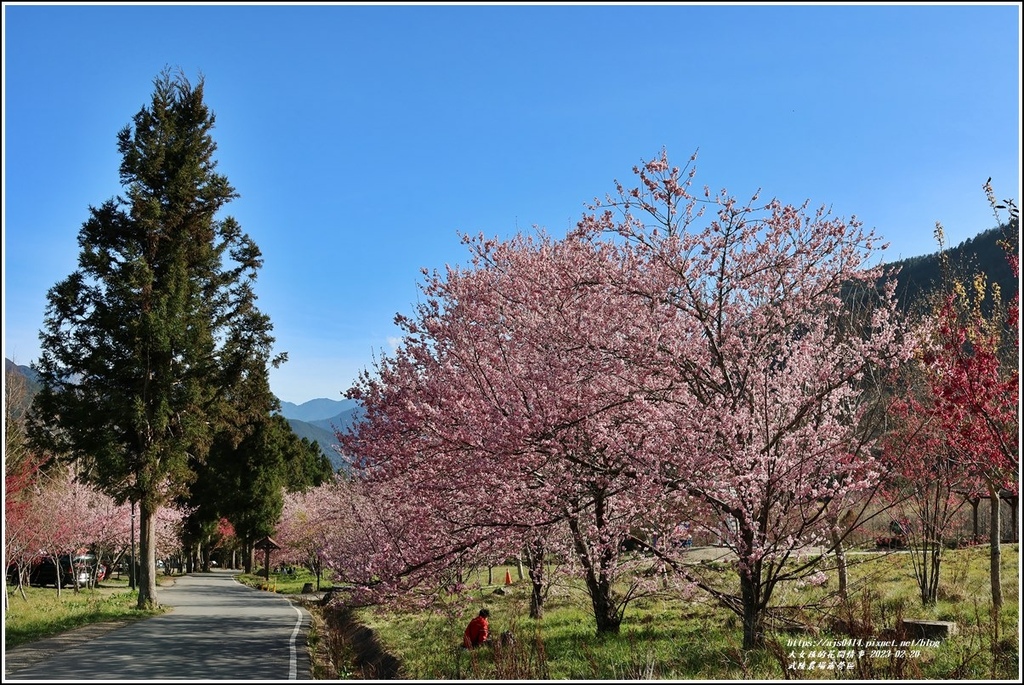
(364, 138)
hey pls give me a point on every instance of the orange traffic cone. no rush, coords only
(508, 577)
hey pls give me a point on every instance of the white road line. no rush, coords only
(293, 661)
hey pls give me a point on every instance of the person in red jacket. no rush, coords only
(477, 632)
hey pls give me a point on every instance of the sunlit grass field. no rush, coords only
(667, 637)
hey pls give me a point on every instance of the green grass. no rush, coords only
(657, 640)
(283, 583)
(672, 638)
(41, 613)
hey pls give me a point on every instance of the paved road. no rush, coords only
(218, 629)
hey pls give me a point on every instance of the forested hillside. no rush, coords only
(981, 254)
(324, 438)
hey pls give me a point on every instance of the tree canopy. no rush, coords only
(643, 371)
(154, 346)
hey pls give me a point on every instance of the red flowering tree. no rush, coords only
(62, 515)
(21, 477)
(925, 481)
(973, 382)
(21, 474)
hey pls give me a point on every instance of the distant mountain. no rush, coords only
(326, 413)
(31, 387)
(316, 410)
(323, 437)
(325, 430)
(25, 371)
(342, 421)
(318, 419)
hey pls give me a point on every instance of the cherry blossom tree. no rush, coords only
(309, 522)
(504, 420)
(62, 515)
(368, 539)
(760, 365)
(602, 383)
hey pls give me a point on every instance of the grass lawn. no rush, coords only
(283, 583)
(668, 637)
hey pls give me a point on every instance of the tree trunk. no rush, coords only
(605, 611)
(147, 557)
(841, 568)
(753, 614)
(975, 501)
(535, 564)
(933, 526)
(536, 597)
(931, 595)
(247, 556)
(595, 572)
(1013, 521)
(995, 551)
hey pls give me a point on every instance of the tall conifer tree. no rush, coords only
(154, 345)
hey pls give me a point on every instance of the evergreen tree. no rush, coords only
(245, 481)
(154, 346)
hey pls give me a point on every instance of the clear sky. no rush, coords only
(364, 138)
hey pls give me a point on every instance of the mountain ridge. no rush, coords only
(316, 409)
(318, 419)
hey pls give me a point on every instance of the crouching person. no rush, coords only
(478, 631)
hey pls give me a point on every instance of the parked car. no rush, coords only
(89, 563)
(83, 567)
